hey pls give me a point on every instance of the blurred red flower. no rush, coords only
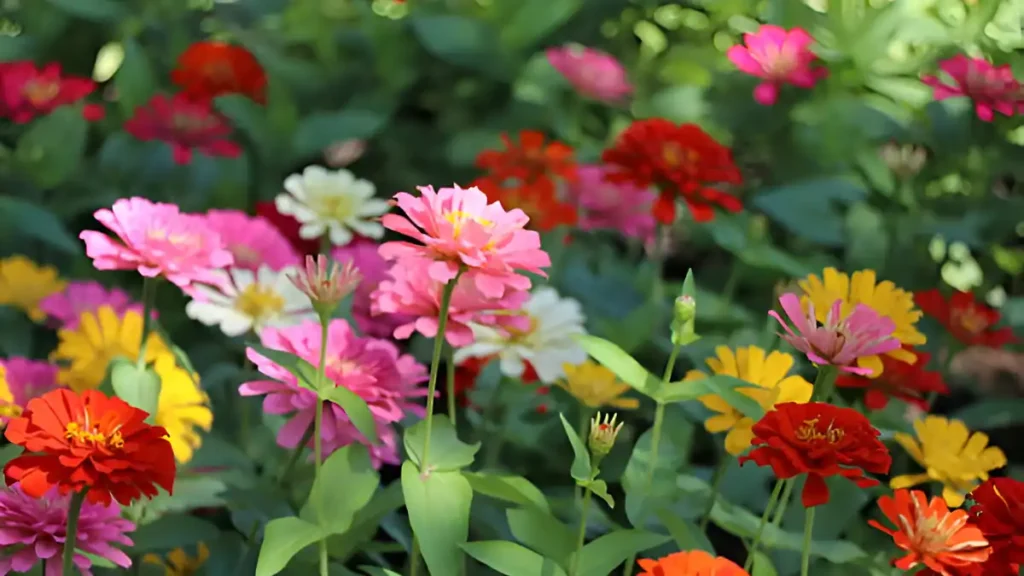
(530, 162)
(819, 440)
(185, 125)
(89, 442)
(999, 513)
(289, 228)
(682, 161)
(908, 382)
(969, 321)
(206, 70)
(27, 91)
(545, 210)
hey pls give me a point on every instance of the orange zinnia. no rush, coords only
(545, 210)
(89, 442)
(934, 537)
(531, 162)
(693, 563)
(207, 70)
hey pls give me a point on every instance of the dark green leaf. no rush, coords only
(356, 409)
(283, 538)
(447, 452)
(173, 531)
(991, 414)
(511, 559)
(52, 148)
(438, 505)
(134, 80)
(543, 533)
(810, 208)
(602, 555)
(96, 10)
(461, 41)
(534, 19)
(726, 387)
(319, 130)
(622, 364)
(581, 469)
(137, 385)
(514, 489)
(687, 535)
(37, 223)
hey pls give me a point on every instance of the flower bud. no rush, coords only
(905, 160)
(326, 283)
(603, 431)
(684, 316)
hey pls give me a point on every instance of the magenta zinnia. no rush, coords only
(253, 240)
(21, 380)
(363, 255)
(67, 306)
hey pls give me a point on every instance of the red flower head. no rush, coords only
(681, 161)
(207, 70)
(691, 563)
(540, 203)
(185, 125)
(819, 440)
(466, 375)
(289, 228)
(89, 441)
(969, 321)
(27, 91)
(908, 382)
(530, 163)
(999, 513)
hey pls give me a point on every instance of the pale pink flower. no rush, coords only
(840, 341)
(458, 228)
(777, 56)
(992, 88)
(66, 306)
(185, 124)
(253, 240)
(593, 73)
(21, 380)
(605, 205)
(364, 256)
(374, 369)
(157, 239)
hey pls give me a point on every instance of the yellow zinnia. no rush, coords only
(178, 562)
(771, 386)
(950, 454)
(883, 297)
(23, 285)
(101, 336)
(183, 407)
(595, 386)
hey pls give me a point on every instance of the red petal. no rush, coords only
(815, 491)
(665, 208)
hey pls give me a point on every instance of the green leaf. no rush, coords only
(17, 336)
(52, 148)
(461, 41)
(137, 385)
(304, 372)
(763, 565)
(190, 492)
(9, 452)
(542, 532)
(447, 452)
(134, 80)
(321, 129)
(686, 535)
(602, 555)
(909, 91)
(581, 469)
(731, 233)
(173, 531)
(600, 489)
(37, 223)
(869, 239)
(356, 409)
(723, 386)
(438, 505)
(623, 365)
(535, 19)
(283, 538)
(514, 489)
(809, 208)
(95, 10)
(991, 414)
(378, 571)
(511, 559)
(351, 469)
(645, 494)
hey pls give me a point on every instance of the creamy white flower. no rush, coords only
(547, 345)
(245, 300)
(334, 202)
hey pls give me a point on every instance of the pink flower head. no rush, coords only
(27, 91)
(66, 306)
(364, 256)
(777, 56)
(992, 88)
(840, 341)
(34, 529)
(593, 73)
(374, 369)
(253, 240)
(21, 380)
(184, 124)
(458, 228)
(157, 239)
(606, 205)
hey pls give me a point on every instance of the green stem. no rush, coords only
(581, 537)
(658, 259)
(148, 304)
(780, 510)
(760, 527)
(584, 432)
(805, 557)
(321, 375)
(716, 484)
(244, 424)
(450, 384)
(74, 511)
(824, 384)
(435, 364)
(493, 413)
(731, 283)
(293, 459)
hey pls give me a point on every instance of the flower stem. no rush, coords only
(435, 364)
(74, 511)
(658, 259)
(293, 459)
(582, 535)
(780, 510)
(760, 527)
(716, 484)
(583, 431)
(824, 384)
(805, 558)
(318, 457)
(148, 304)
(450, 384)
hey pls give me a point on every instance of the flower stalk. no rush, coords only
(824, 384)
(318, 457)
(148, 305)
(74, 511)
(450, 384)
(716, 486)
(581, 536)
(772, 501)
(805, 556)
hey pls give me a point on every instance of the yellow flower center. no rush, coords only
(39, 92)
(92, 436)
(809, 432)
(174, 238)
(458, 219)
(970, 319)
(10, 410)
(338, 207)
(259, 302)
(674, 155)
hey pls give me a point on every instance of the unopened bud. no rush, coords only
(326, 283)
(603, 431)
(684, 321)
(905, 160)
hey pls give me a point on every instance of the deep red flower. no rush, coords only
(185, 125)
(682, 161)
(466, 375)
(289, 228)
(909, 382)
(89, 441)
(27, 91)
(538, 201)
(968, 320)
(530, 162)
(819, 440)
(206, 70)
(999, 513)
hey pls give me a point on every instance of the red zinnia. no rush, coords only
(819, 440)
(908, 382)
(207, 70)
(89, 441)
(289, 228)
(185, 125)
(545, 210)
(27, 91)
(530, 162)
(681, 161)
(999, 513)
(969, 321)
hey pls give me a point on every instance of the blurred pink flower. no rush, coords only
(184, 124)
(34, 528)
(374, 369)
(605, 205)
(21, 380)
(992, 88)
(840, 341)
(27, 91)
(157, 239)
(593, 73)
(777, 56)
(67, 305)
(253, 240)
(374, 269)
(457, 227)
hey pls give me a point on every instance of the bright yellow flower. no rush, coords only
(772, 386)
(183, 407)
(595, 386)
(179, 563)
(23, 285)
(883, 297)
(950, 454)
(86, 351)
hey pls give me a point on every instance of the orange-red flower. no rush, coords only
(999, 513)
(908, 382)
(538, 201)
(89, 441)
(209, 69)
(531, 162)
(819, 440)
(969, 321)
(682, 161)
(692, 563)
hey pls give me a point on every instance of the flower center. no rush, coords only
(40, 92)
(189, 122)
(970, 319)
(517, 335)
(259, 302)
(458, 219)
(176, 239)
(218, 71)
(337, 207)
(676, 156)
(809, 432)
(776, 62)
(93, 436)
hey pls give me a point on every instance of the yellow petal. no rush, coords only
(794, 389)
(873, 363)
(625, 403)
(720, 423)
(728, 362)
(739, 438)
(907, 480)
(911, 446)
(715, 403)
(776, 366)
(903, 355)
(953, 498)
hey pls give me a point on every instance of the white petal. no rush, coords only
(364, 228)
(295, 186)
(340, 235)
(311, 230)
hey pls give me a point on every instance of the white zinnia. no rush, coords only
(247, 300)
(334, 202)
(547, 345)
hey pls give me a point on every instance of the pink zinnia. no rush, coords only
(253, 240)
(609, 206)
(458, 228)
(840, 341)
(374, 269)
(27, 91)
(157, 239)
(33, 531)
(66, 306)
(21, 380)
(992, 88)
(374, 369)
(593, 73)
(777, 56)
(185, 125)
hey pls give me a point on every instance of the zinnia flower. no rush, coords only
(466, 374)
(183, 407)
(594, 74)
(607, 206)
(325, 283)
(771, 385)
(179, 562)
(933, 537)
(208, 69)
(21, 380)
(971, 322)
(777, 56)
(691, 563)
(289, 227)
(819, 440)
(999, 512)
(992, 88)
(89, 441)
(253, 240)
(363, 256)
(67, 306)
(531, 162)
(539, 202)
(157, 239)
(950, 454)
(35, 528)
(27, 91)
(335, 203)
(242, 300)
(911, 383)
(595, 386)
(682, 161)
(185, 125)
(24, 284)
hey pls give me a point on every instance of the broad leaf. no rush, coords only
(138, 386)
(447, 452)
(51, 150)
(37, 223)
(356, 409)
(723, 386)
(511, 559)
(303, 371)
(686, 535)
(514, 489)
(581, 467)
(283, 538)
(623, 365)
(602, 555)
(438, 505)
(351, 469)
(543, 533)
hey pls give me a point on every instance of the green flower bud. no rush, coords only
(684, 316)
(603, 431)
